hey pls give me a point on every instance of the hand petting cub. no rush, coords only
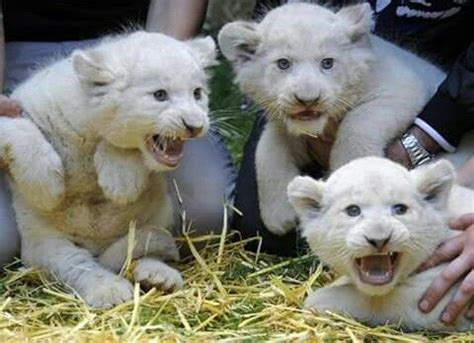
(374, 222)
(100, 128)
(318, 73)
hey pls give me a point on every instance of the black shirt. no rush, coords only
(56, 20)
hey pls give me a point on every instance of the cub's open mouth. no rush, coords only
(166, 150)
(305, 115)
(377, 269)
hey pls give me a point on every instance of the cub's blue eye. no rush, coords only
(283, 63)
(353, 211)
(161, 95)
(399, 209)
(197, 94)
(327, 63)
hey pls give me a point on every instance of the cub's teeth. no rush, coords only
(391, 254)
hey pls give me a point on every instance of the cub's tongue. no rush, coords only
(173, 147)
(375, 269)
(167, 151)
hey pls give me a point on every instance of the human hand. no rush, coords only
(459, 251)
(320, 150)
(8, 107)
(320, 146)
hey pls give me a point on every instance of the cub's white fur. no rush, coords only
(379, 187)
(371, 89)
(82, 166)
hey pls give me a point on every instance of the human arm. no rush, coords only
(181, 19)
(8, 107)
(448, 114)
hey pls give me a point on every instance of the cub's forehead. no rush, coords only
(371, 179)
(295, 23)
(145, 54)
(167, 64)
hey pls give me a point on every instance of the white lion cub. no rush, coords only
(311, 69)
(375, 222)
(98, 129)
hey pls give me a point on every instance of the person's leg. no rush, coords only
(205, 181)
(9, 237)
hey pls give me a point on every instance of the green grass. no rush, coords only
(231, 122)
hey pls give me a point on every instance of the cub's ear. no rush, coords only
(239, 40)
(358, 20)
(434, 182)
(90, 68)
(205, 50)
(306, 195)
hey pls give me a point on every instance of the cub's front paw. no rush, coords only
(326, 299)
(122, 181)
(279, 218)
(151, 273)
(39, 179)
(107, 292)
(316, 302)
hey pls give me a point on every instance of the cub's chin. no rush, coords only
(162, 153)
(377, 274)
(306, 124)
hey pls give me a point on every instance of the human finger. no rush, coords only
(443, 282)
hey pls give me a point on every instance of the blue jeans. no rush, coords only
(205, 177)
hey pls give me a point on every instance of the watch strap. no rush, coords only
(416, 152)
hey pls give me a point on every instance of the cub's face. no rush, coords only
(303, 63)
(373, 220)
(149, 92)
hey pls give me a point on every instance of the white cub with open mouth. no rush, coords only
(374, 222)
(101, 127)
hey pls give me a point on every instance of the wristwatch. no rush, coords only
(416, 153)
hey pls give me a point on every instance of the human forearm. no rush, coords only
(2, 50)
(447, 116)
(181, 19)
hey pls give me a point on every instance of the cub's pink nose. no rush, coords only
(306, 102)
(378, 243)
(192, 130)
